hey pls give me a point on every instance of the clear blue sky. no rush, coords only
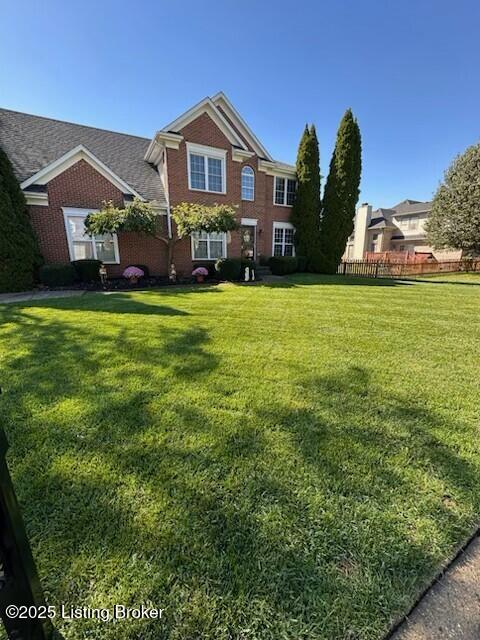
(408, 69)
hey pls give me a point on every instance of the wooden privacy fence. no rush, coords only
(369, 269)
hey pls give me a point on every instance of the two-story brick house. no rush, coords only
(207, 155)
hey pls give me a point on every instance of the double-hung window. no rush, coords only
(81, 245)
(209, 246)
(283, 239)
(206, 168)
(284, 191)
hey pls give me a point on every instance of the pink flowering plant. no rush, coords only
(200, 271)
(133, 274)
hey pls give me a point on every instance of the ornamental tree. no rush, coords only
(19, 252)
(455, 218)
(306, 208)
(341, 193)
(140, 217)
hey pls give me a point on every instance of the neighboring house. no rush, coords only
(399, 230)
(207, 155)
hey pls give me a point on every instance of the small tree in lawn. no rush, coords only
(140, 217)
(306, 207)
(455, 218)
(19, 252)
(341, 193)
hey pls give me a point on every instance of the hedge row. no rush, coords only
(283, 265)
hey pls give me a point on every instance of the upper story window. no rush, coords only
(284, 191)
(81, 245)
(408, 223)
(248, 183)
(206, 168)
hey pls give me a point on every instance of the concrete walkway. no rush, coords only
(450, 610)
(38, 295)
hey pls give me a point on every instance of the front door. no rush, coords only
(248, 241)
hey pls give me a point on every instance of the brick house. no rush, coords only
(207, 155)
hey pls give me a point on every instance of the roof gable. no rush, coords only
(70, 158)
(221, 100)
(206, 106)
(34, 142)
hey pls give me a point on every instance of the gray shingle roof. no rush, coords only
(33, 142)
(380, 223)
(412, 206)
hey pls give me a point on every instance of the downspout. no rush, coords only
(167, 195)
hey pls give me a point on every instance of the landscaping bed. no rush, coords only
(122, 284)
(293, 460)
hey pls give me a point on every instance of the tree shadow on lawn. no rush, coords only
(98, 302)
(311, 522)
(303, 279)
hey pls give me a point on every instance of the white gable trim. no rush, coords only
(220, 99)
(277, 169)
(206, 106)
(80, 152)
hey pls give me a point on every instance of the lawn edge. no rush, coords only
(460, 549)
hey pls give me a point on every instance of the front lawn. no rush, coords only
(460, 277)
(292, 461)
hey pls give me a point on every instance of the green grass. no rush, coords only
(467, 278)
(292, 461)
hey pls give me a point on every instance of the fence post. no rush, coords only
(376, 270)
(19, 582)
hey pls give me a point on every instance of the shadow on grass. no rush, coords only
(302, 279)
(301, 521)
(435, 281)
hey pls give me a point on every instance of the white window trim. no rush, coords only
(207, 152)
(208, 259)
(284, 193)
(241, 183)
(282, 225)
(73, 211)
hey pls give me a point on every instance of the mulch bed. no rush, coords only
(122, 284)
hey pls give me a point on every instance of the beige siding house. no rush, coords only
(400, 229)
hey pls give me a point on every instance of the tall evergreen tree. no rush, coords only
(19, 253)
(341, 193)
(306, 209)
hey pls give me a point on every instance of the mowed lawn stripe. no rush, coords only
(292, 461)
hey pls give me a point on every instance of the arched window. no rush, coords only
(248, 183)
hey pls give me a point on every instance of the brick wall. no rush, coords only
(205, 132)
(82, 186)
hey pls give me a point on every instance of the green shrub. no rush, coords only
(283, 265)
(143, 267)
(302, 264)
(19, 253)
(229, 268)
(263, 260)
(57, 275)
(87, 270)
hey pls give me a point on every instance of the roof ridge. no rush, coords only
(75, 124)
